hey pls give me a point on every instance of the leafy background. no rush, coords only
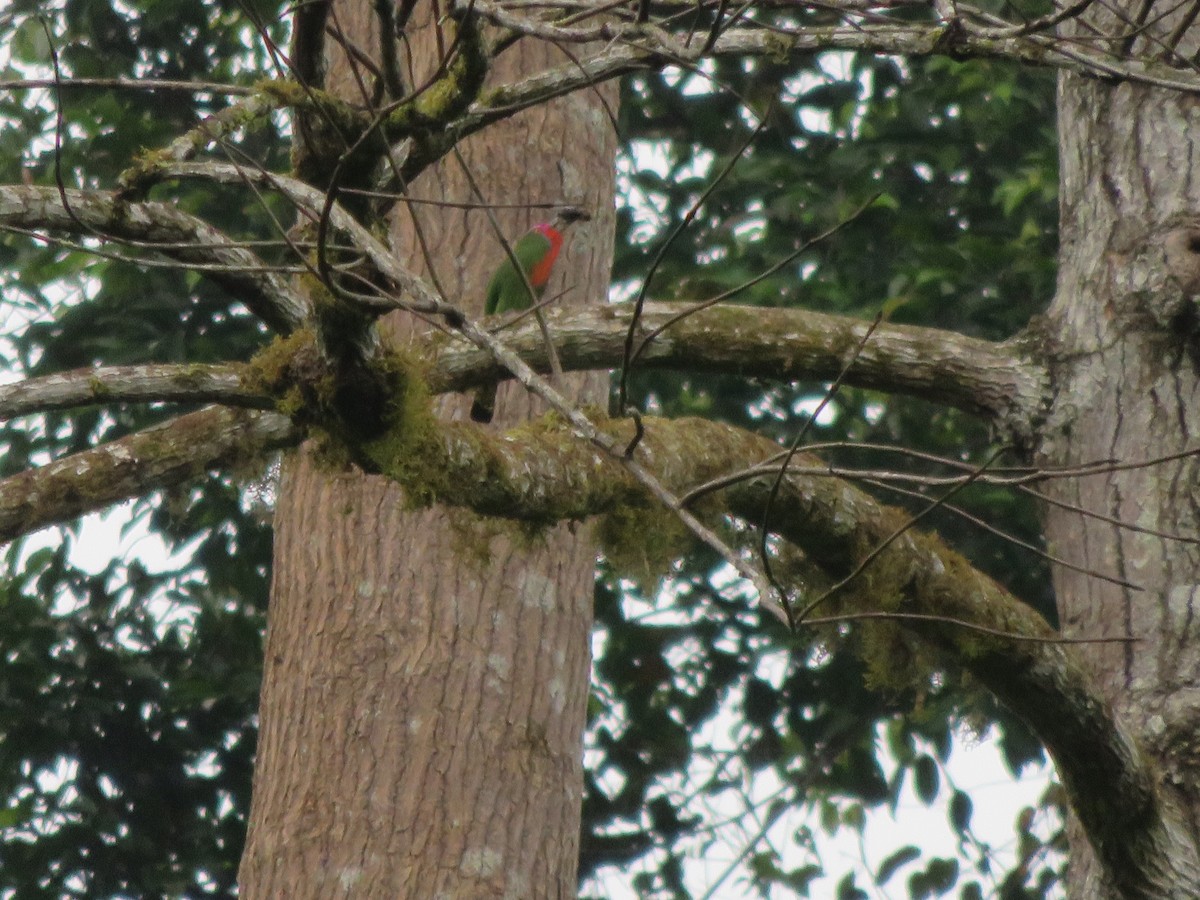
(128, 696)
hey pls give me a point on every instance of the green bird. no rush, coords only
(509, 290)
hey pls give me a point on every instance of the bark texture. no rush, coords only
(1127, 387)
(426, 674)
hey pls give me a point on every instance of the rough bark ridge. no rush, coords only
(415, 657)
(1126, 387)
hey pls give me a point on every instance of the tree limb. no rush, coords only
(165, 455)
(981, 377)
(164, 229)
(168, 383)
(651, 48)
(1137, 828)
(311, 201)
(995, 381)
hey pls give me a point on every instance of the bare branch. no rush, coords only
(644, 47)
(312, 202)
(193, 383)
(129, 84)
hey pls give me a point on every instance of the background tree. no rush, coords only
(131, 694)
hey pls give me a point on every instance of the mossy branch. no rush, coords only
(164, 229)
(544, 473)
(452, 93)
(147, 169)
(997, 382)
(175, 452)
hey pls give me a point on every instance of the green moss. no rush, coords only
(411, 448)
(494, 97)
(450, 95)
(147, 167)
(141, 175)
(337, 114)
(98, 388)
(898, 661)
(328, 127)
(339, 324)
(778, 48)
(284, 91)
(472, 535)
(642, 540)
(277, 367)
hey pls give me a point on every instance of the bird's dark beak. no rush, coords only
(568, 215)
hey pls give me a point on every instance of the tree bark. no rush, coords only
(426, 674)
(1126, 387)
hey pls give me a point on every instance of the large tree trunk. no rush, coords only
(426, 676)
(1123, 332)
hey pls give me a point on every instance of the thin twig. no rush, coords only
(773, 494)
(640, 301)
(970, 626)
(895, 535)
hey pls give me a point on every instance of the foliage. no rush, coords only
(129, 696)
(963, 236)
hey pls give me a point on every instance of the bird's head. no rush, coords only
(569, 215)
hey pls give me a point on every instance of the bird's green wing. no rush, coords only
(507, 291)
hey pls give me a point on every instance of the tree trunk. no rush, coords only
(426, 674)
(1124, 347)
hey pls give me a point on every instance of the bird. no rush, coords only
(509, 289)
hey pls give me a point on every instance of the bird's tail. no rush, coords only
(484, 406)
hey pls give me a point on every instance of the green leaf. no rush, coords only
(960, 812)
(895, 861)
(926, 779)
(937, 878)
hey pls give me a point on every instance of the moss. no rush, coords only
(897, 660)
(641, 540)
(472, 535)
(778, 48)
(337, 114)
(98, 388)
(410, 448)
(951, 595)
(276, 368)
(284, 91)
(341, 327)
(145, 171)
(329, 451)
(191, 376)
(326, 127)
(450, 95)
(139, 177)
(494, 97)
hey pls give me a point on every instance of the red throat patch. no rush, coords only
(540, 273)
